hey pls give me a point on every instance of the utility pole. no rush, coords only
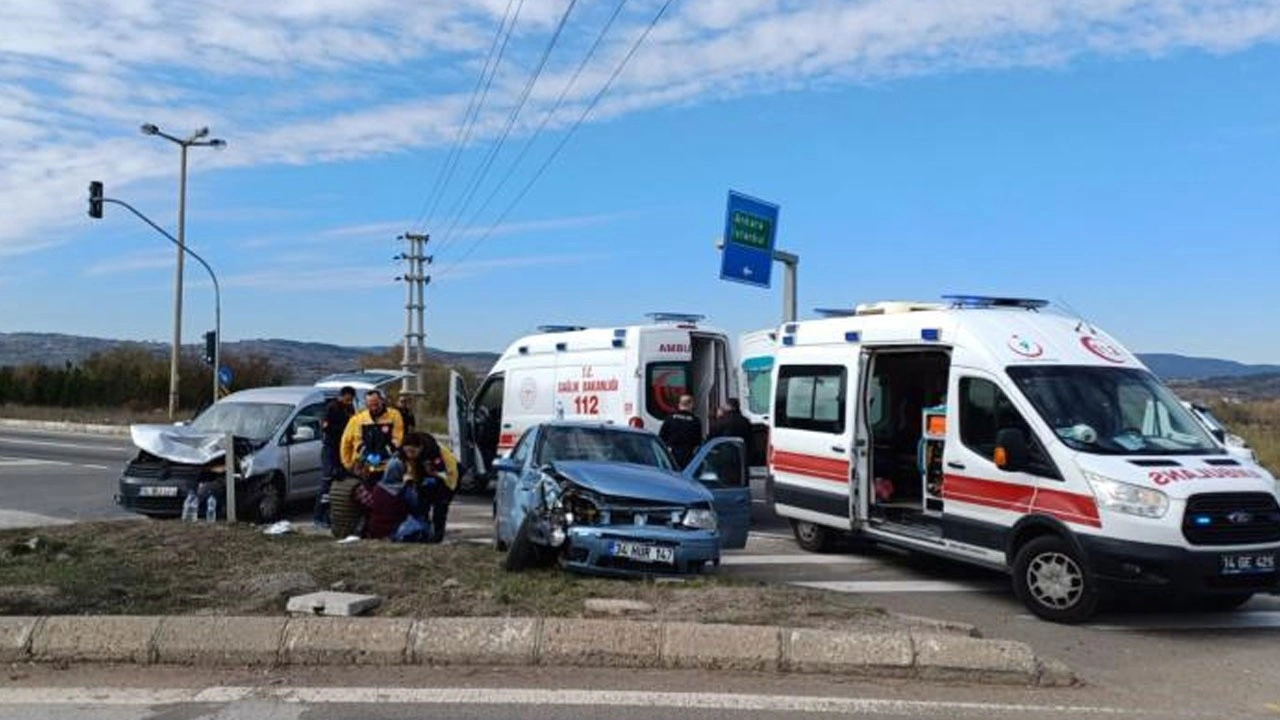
(415, 281)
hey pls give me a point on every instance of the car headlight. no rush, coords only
(700, 519)
(1128, 499)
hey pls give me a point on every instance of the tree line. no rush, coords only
(135, 378)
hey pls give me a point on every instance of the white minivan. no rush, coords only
(629, 375)
(996, 431)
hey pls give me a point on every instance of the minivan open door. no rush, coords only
(461, 441)
(721, 467)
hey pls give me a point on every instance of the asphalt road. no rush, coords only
(1227, 663)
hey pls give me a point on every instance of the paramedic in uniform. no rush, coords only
(682, 432)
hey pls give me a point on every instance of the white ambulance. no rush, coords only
(631, 375)
(997, 432)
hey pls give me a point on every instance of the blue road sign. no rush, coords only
(224, 376)
(750, 231)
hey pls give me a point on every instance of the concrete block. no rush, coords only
(866, 653)
(475, 641)
(220, 640)
(605, 606)
(946, 657)
(346, 641)
(721, 647)
(333, 604)
(15, 637)
(600, 643)
(106, 638)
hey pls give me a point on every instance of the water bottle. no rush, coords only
(190, 508)
(211, 509)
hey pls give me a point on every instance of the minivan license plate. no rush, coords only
(643, 553)
(158, 491)
(1248, 563)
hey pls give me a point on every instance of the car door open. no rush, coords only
(721, 467)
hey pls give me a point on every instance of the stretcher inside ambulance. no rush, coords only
(998, 432)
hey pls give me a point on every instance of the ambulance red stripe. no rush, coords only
(811, 466)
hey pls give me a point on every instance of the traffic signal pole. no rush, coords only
(96, 201)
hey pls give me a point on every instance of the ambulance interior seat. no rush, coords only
(912, 382)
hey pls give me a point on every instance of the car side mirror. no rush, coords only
(305, 433)
(1012, 453)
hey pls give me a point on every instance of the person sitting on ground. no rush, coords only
(394, 498)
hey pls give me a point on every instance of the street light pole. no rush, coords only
(196, 139)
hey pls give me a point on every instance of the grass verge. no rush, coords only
(167, 567)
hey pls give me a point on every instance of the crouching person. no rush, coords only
(438, 491)
(395, 501)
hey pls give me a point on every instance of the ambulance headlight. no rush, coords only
(699, 519)
(1128, 499)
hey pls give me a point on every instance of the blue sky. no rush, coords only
(1121, 155)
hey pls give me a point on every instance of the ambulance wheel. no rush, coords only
(812, 537)
(1049, 577)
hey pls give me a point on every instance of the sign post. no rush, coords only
(749, 248)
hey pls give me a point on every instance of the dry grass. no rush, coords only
(97, 416)
(159, 567)
(1258, 422)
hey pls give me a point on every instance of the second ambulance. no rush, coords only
(998, 432)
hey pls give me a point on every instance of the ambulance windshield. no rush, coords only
(1112, 411)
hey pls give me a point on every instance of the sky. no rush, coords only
(1118, 156)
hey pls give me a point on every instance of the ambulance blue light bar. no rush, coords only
(931, 334)
(852, 337)
(835, 312)
(559, 328)
(661, 317)
(987, 301)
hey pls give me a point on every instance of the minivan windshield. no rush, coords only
(255, 421)
(1112, 411)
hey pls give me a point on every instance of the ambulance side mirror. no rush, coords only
(1012, 452)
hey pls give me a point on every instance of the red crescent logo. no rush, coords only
(1110, 353)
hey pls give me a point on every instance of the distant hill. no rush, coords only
(1180, 367)
(306, 360)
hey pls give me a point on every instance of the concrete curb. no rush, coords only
(272, 641)
(66, 427)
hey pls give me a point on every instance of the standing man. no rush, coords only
(732, 423)
(336, 416)
(682, 432)
(404, 404)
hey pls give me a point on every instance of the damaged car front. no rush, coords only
(609, 501)
(269, 427)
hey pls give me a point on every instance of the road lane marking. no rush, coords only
(14, 519)
(518, 697)
(10, 440)
(9, 461)
(1238, 620)
(898, 586)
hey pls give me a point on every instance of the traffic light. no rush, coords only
(210, 346)
(95, 200)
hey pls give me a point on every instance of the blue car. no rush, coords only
(608, 500)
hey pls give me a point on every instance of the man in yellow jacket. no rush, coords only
(372, 436)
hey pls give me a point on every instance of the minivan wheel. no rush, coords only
(811, 536)
(1049, 577)
(266, 501)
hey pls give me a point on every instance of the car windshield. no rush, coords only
(1112, 411)
(256, 421)
(603, 444)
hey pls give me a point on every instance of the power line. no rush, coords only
(473, 111)
(563, 141)
(550, 113)
(478, 178)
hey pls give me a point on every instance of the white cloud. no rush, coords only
(149, 260)
(310, 81)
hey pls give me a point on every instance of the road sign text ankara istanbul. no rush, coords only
(750, 231)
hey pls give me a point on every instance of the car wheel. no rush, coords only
(811, 536)
(1222, 603)
(1049, 577)
(522, 554)
(266, 501)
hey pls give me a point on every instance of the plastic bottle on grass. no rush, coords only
(190, 508)
(211, 509)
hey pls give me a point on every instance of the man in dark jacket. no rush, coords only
(682, 432)
(404, 404)
(336, 415)
(732, 423)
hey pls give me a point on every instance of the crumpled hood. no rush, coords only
(640, 482)
(178, 443)
(1181, 476)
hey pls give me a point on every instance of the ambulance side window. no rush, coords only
(984, 411)
(811, 397)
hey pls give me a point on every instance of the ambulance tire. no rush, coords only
(812, 537)
(1050, 578)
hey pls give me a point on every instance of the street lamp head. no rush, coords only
(149, 129)
(217, 143)
(202, 132)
